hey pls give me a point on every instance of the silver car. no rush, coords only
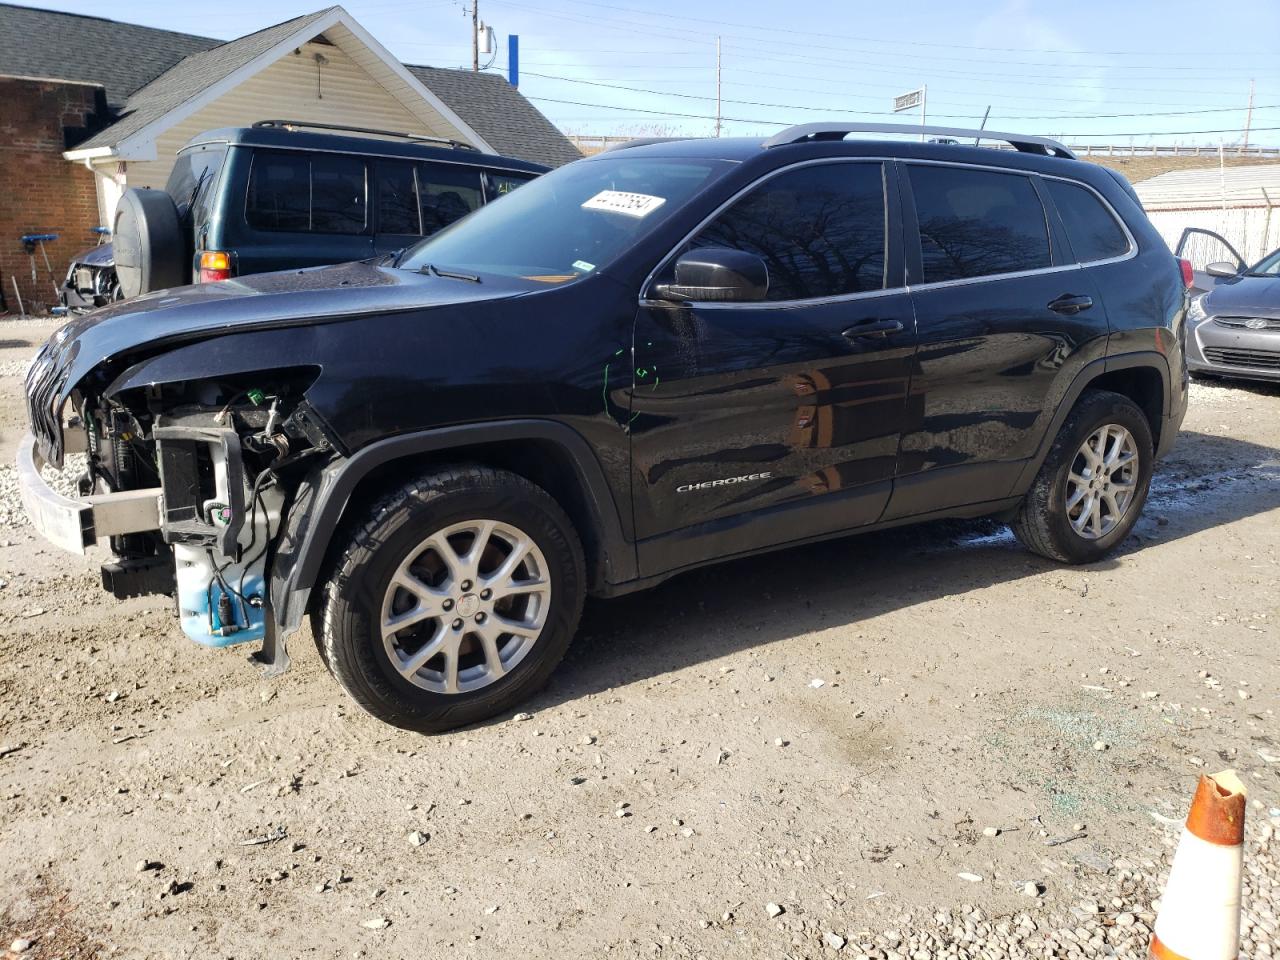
(1233, 327)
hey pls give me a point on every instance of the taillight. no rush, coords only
(214, 265)
(1188, 276)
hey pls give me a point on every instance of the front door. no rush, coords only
(755, 424)
(1201, 247)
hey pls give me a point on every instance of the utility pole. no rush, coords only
(717, 86)
(475, 36)
(1248, 121)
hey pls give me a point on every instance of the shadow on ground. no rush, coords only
(716, 611)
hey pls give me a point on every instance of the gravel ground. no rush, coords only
(857, 749)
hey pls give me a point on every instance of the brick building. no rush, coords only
(77, 131)
(43, 193)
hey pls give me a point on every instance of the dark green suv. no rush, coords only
(284, 194)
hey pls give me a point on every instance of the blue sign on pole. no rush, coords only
(513, 59)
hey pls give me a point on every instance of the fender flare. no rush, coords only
(322, 499)
(1087, 375)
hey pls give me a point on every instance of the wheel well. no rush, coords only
(1144, 386)
(542, 462)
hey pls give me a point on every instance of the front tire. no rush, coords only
(1093, 484)
(454, 601)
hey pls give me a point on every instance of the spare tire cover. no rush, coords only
(150, 249)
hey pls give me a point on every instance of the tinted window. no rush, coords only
(974, 223)
(337, 194)
(191, 181)
(1091, 229)
(497, 184)
(819, 229)
(397, 198)
(279, 192)
(447, 194)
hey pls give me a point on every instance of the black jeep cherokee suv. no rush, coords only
(656, 358)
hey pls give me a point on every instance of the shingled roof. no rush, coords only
(119, 57)
(146, 73)
(191, 76)
(500, 114)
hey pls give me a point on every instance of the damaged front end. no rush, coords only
(186, 481)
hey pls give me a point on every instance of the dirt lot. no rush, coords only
(828, 730)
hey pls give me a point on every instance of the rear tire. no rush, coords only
(429, 623)
(1093, 484)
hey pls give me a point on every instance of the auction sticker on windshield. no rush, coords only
(618, 201)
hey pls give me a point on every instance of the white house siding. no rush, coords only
(287, 90)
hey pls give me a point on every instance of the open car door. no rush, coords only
(1203, 247)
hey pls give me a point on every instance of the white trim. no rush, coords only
(141, 144)
(93, 153)
(400, 70)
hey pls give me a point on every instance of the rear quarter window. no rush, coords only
(977, 223)
(1092, 229)
(192, 179)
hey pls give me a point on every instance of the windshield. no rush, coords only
(1267, 267)
(570, 222)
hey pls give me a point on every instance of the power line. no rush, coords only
(977, 99)
(949, 116)
(955, 100)
(785, 123)
(773, 29)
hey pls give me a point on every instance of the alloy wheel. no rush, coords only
(465, 606)
(1102, 482)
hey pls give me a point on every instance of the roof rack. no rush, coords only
(417, 137)
(838, 131)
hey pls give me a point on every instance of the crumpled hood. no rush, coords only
(286, 298)
(151, 322)
(1244, 297)
(103, 255)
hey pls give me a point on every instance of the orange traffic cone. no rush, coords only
(1199, 915)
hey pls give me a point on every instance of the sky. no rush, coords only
(1089, 71)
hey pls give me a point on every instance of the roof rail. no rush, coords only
(645, 141)
(304, 124)
(838, 131)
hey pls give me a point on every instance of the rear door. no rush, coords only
(1003, 315)
(761, 423)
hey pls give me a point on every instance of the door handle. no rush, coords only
(1070, 304)
(873, 328)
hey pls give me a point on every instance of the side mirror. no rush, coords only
(1222, 269)
(717, 274)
